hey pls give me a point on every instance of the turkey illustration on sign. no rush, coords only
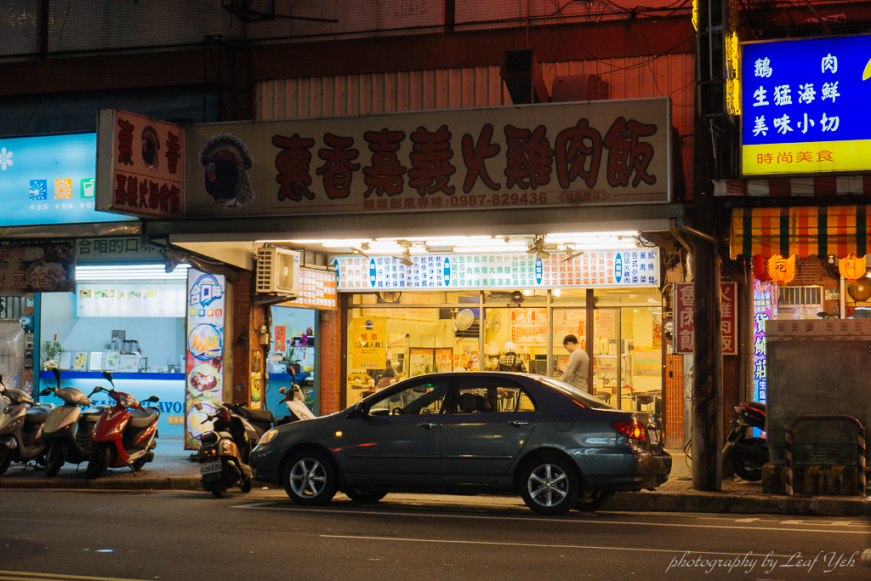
(226, 160)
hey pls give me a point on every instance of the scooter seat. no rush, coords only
(94, 411)
(755, 404)
(143, 417)
(36, 415)
(257, 415)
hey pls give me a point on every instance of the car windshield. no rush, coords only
(579, 396)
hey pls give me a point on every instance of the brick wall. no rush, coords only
(330, 362)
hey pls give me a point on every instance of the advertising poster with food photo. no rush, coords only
(204, 352)
(42, 268)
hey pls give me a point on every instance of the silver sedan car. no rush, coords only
(469, 433)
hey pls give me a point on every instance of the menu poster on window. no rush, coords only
(592, 269)
(130, 300)
(369, 336)
(422, 360)
(444, 359)
(317, 290)
(204, 355)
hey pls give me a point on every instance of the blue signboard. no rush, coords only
(50, 180)
(804, 106)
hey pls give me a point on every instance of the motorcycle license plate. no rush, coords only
(210, 467)
(654, 436)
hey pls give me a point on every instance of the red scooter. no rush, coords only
(124, 434)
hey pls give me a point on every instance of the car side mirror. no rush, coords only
(360, 410)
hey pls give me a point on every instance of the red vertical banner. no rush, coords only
(684, 324)
(280, 335)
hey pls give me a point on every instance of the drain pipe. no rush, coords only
(672, 225)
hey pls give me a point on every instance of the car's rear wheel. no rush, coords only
(592, 502)
(359, 496)
(311, 478)
(550, 485)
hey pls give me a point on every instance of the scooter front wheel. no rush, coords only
(5, 458)
(99, 462)
(750, 469)
(55, 458)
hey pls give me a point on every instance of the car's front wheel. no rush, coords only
(550, 485)
(311, 478)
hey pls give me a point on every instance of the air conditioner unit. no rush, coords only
(278, 271)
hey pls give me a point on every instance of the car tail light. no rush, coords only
(631, 429)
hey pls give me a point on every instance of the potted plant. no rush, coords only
(52, 349)
(295, 352)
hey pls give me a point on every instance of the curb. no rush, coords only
(724, 503)
(146, 483)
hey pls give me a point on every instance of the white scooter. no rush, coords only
(296, 408)
(21, 422)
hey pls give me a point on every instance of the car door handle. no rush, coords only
(518, 423)
(426, 425)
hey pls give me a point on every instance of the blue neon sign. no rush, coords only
(50, 180)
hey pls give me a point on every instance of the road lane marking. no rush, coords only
(27, 576)
(270, 506)
(545, 546)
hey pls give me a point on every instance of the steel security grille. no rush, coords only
(800, 296)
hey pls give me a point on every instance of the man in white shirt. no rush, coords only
(578, 364)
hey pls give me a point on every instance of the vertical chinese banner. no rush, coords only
(370, 343)
(444, 359)
(729, 317)
(683, 317)
(204, 353)
(140, 165)
(764, 309)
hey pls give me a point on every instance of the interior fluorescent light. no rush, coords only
(130, 272)
(573, 235)
(503, 248)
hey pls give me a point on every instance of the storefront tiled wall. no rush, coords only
(674, 402)
(247, 319)
(330, 362)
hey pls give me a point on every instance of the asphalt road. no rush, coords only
(190, 536)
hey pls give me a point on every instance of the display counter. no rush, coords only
(169, 387)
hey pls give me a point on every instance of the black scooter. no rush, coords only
(748, 453)
(224, 450)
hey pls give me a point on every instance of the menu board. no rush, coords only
(317, 289)
(592, 269)
(204, 355)
(130, 300)
(422, 360)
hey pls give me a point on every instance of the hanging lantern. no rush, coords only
(852, 267)
(760, 270)
(780, 269)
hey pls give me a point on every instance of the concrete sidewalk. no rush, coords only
(172, 469)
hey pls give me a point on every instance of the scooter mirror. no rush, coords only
(56, 373)
(108, 376)
(153, 399)
(45, 392)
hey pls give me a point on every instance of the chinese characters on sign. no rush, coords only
(317, 289)
(145, 177)
(547, 155)
(369, 349)
(114, 249)
(804, 106)
(684, 324)
(603, 268)
(37, 268)
(764, 309)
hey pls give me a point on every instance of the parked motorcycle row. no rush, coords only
(124, 433)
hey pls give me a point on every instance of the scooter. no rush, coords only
(748, 453)
(296, 408)
(124, 434)
(225, 449)
(68, 429)
(21, 423)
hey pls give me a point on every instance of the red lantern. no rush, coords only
(760, 270)
(780, 269)
(852, 268)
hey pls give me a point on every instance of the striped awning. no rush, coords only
(805, 231)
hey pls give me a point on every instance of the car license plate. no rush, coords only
(654, 436)
(210, 467)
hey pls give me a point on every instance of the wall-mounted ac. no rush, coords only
(278, 271)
